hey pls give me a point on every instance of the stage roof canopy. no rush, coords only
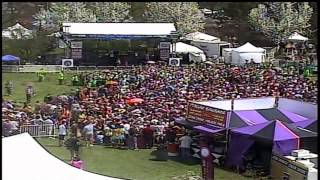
(119, 29)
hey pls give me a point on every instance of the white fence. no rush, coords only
(57, 68)
(45, 130)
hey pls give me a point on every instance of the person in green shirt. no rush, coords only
(75, 80)
(306, 72)
(61, 77)
(41, 74)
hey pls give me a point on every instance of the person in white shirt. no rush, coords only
(185, 144)
(49, 126)
(62, 132)
(126, 128)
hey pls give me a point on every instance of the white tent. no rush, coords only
(198, 36)
(17, 31)
(186, 48)
(209, 44)
(247, 52)
(195, 54)
(297, 37)
(24, 158)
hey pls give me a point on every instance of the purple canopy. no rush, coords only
(292, 116)
(311, 125)
(284, 140)
(251, 117)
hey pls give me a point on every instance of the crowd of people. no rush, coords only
(137, 107)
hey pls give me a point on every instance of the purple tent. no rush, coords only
(241, 139)
(292, 116)
(311, 125)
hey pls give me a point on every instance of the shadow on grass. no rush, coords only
(190, 162)
(154, 159)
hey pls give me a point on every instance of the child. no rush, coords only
(76, 162)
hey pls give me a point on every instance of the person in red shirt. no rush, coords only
(147, 133)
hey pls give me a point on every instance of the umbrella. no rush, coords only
(151, 62)
(112, 83)
(135, 100)
(10, 58)
(209, 62)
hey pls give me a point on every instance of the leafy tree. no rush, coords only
(27, 49)
(112, 11)
(185, 15)
(63, 12)
(279, 20)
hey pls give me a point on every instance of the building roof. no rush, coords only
(138, 29)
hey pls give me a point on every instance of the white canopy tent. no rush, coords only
(209, 44)
(199, 36)
(195, 54)
(247, 52)
(24, 158)
(297, 37)
(17, 32)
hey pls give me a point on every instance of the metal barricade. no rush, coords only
(45, 130)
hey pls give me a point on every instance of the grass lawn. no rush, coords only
(48, 86)
(131, 164)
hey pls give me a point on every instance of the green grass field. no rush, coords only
(131, 164)
(48, 86)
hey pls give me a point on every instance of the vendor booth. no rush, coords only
(254, 122)
(281, 138)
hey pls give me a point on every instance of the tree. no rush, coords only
(279, 20)
(112, 11)
(185, 15)
(61, 12)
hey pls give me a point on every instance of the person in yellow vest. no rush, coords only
(41, 74)
(61, 77)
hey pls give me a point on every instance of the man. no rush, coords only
(9, 87)
(147, 133)
(50, 126)
(88, 132)
(61, 77)
(126, 127)
(73, 144)
(62, 132)
(185, 144)
(29, 93)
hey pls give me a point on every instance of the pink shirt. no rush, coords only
(77, 164)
